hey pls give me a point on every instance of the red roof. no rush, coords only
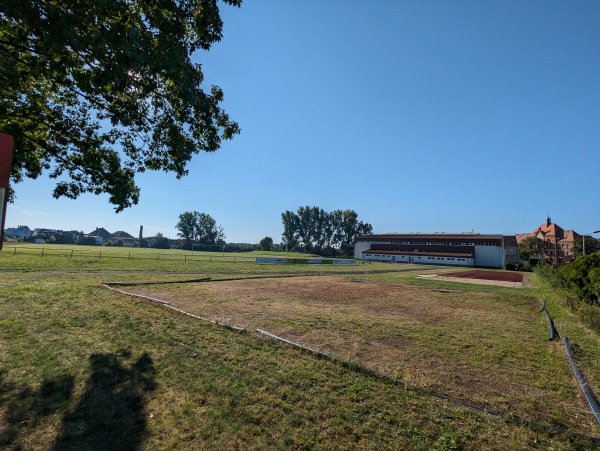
(549, 231)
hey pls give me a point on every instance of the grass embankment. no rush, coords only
(585, 342)
(85, 367)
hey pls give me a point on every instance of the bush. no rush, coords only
(86, 241)
(583, 276)
(590, 315)
(116, 243)
(525, 266)
(159, 242)
(549, 272)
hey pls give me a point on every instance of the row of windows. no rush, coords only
(428, 258)
(447, 258)
(430, 243)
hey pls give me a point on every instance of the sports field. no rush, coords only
(418, 363)
(481, 348)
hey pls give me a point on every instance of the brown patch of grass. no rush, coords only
(480, 347)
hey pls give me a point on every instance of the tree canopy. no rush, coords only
(95, 92)
(592, 245)
(201, 228)
(159, 242)
(531, 246)
(315, 230)
(266, 244)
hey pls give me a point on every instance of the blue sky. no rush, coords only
(421, 115)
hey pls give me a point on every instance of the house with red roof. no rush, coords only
(559, 242)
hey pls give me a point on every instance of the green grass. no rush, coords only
(84, 367)
(485, 348)
(28, 256)
(585, 342)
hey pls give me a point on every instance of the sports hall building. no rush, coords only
(458, 249)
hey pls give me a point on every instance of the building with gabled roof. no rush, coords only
(559, 242)
(18, 232)
(123, 236)
(101, 232)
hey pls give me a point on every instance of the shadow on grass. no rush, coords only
(27, 407)
(111, 413)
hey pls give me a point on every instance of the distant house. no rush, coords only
(123, 236)
(100, 235)
(559, 242)
(101, 232)
(47, 232)
(18, 232)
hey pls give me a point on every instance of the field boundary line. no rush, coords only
(169, 306)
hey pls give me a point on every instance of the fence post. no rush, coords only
(15, 251)
(100, 255)
(71, 253)
(42, 252)
(129, 256)
(210, 259)
(234, 259)
(184, 258)
(157, 256)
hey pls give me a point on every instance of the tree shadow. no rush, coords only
(111, 413)
(26, 407)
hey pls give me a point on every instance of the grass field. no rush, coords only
(85, 367)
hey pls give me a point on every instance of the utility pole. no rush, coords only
(597, 231)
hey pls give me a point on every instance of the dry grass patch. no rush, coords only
(485, 348)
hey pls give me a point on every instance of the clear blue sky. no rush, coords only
(421, 115)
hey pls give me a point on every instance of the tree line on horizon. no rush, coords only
(309, 230)
(314, 230)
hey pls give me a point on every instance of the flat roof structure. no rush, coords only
(465, 249)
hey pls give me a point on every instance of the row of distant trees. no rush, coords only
(314, 230)
(309, 230)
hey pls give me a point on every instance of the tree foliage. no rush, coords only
(97, 91)
(592, 245)
(582, 275)
(314, 230)
(159, 242)
(266, 244)
(199, 228)
(348, 227)
(530, 246)
(289, 238)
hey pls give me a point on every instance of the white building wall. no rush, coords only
(492, 256)
(419, 259)
(359, 248)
